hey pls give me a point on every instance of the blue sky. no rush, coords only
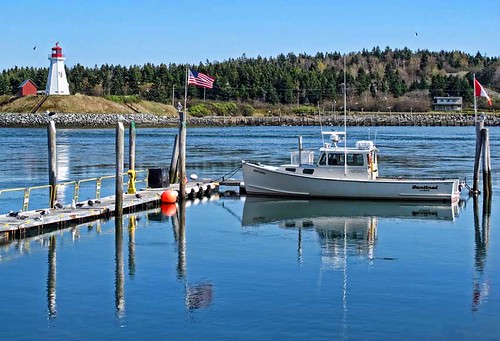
(160, 31)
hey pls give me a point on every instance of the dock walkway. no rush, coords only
(18, 226)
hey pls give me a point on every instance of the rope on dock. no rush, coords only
(228, 174)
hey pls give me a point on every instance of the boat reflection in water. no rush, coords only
(340, 224)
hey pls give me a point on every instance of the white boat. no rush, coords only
(342, 172)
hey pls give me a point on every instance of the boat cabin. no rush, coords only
(338, 161)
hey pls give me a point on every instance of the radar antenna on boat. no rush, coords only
(321, 126)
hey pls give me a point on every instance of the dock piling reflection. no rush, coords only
(119, 273)
(51, 279)
(179, 225)
(131, 246)
(480, 290)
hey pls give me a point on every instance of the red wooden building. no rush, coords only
(27, 88)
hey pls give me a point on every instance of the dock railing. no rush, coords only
(26, 191)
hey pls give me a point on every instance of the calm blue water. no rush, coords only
(249, 269)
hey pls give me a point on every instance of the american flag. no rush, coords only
(200, 79)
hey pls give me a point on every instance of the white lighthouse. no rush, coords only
(57, 84)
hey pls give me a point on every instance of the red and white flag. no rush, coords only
(480, 92)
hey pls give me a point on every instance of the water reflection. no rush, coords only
(339, 224)
(345, 229)
(298, 213)
(119, 272)
(179, 227)
(481, 287)
(131, 245)
(196, 295)
(51, 279)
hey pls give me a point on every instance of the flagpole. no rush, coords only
(182, 145)
(475, 100)
(478, 125)
(186, 90)
(345, 119)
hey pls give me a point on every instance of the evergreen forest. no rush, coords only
(377, 80)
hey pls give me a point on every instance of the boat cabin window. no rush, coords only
(355, 160)
(322, 159)
(308, 171)
(337, 159)
(290, 169)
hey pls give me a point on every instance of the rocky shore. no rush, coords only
(16, 120)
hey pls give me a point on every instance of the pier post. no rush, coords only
(131, 146)
(174, 161)
(51, 135)
(131, 159)
(119, 170)
(479, 125)
(485, 142)
(182, 156)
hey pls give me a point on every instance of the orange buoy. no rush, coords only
(168, 210)
(169, 197)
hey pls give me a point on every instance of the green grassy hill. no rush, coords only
(82, 104)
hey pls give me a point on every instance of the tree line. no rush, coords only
(399, 79)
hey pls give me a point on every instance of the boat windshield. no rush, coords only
(337, 159)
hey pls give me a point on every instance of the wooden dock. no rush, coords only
(33, 222)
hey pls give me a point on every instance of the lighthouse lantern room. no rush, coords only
(57, 83)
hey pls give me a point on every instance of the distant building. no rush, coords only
(448, 103)
(27, 88)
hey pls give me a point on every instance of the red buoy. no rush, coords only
(169, 197)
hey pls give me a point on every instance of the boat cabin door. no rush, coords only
(372, 164)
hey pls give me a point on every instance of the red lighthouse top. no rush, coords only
(57, 51)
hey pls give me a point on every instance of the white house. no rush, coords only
(448, 103)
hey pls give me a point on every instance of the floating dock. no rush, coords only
(43, 220)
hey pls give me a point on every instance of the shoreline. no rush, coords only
(22, 120)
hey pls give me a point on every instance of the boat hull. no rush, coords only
(272, 181)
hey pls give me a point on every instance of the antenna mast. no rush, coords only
(345, 120)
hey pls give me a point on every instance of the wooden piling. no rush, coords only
(51, 135)
(479, 126)
(119, 170)
(485, 142)
(131, 146)
(182, 156)
(174, 162)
